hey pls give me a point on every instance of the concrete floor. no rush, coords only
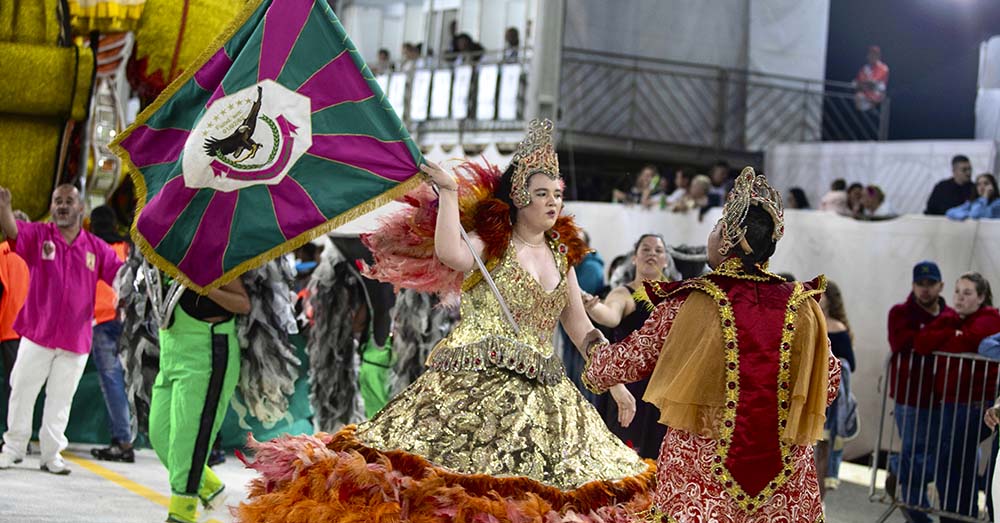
(104, 492)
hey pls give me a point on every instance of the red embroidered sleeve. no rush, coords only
(633, 358)
(833, 384)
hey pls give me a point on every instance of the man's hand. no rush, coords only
(7, 224)
(626, 404)
(4, 198)
(992, 417)
(594, 336)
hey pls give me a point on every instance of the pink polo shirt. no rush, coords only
(59, 310)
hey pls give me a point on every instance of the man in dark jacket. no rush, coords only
(955, 190)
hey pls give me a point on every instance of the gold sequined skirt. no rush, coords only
(488, 445)
(499, 423)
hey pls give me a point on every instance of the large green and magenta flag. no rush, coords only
(276, 135)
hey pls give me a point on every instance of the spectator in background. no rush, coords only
(468, 50)
(841, 415)
(836, 199)
(911, 379)
(871, 82)
(411, 57)
(797, 199)
(953, 191)
(624, 313)
(640, 191)
(512, 45)
(590, 271)
(384, 63)
(452, 51)
(699, 196)
(986, 206)
(590, 275)
(962, 388)
(855, 197)
(682, 182)
(874, 204)
(13, 291)
(107, 330)
(721, 182)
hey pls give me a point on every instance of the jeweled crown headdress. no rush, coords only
(750, 189)
(535, 154)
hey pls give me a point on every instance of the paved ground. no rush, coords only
(105, 492)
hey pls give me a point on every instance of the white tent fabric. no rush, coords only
(786, 37)
(906, 171)
(988, 96)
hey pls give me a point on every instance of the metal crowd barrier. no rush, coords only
(939, 453)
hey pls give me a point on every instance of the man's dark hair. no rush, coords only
(760, 229)
(104, 224)
(959, 158)
(656, 170)
(838, 185)
(855, 185)
(384, 51)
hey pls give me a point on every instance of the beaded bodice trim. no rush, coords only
(483, 338)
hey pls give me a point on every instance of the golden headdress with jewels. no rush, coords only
(535, 154)
(750, 189)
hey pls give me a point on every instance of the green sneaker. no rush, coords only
(212, 489)
(183, 509)
(213, 500)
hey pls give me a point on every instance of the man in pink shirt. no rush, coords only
(65, 263)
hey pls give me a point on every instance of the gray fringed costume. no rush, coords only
(269, 365)
(337, 293)
(420, 321)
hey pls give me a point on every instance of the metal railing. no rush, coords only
(935, 406)
(458, 91)
(631, 97)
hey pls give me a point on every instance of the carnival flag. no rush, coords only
(277, 134)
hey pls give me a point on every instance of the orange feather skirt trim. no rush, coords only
(334, 478)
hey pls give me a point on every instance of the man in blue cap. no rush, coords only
(911, 385)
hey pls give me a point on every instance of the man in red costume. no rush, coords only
(741, 371)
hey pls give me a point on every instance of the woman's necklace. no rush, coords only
(520, 239)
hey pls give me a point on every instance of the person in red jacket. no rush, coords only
(964, 387)
(911, 385)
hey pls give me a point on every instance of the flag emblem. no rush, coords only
(251, 137)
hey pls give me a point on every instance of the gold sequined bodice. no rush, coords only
(484, 338)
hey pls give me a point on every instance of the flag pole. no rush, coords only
(485, 273)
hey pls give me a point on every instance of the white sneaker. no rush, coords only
(56, 466)
(7, 460)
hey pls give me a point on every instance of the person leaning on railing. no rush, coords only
(911, 386)
(963, 387)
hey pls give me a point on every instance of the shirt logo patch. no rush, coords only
(48, 250)
(91, 260)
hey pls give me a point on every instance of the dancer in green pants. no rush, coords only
(199, 370)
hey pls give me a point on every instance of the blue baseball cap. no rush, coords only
(926, 270)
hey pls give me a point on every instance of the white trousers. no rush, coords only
(60, 372)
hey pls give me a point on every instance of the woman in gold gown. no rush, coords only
(494, 431)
